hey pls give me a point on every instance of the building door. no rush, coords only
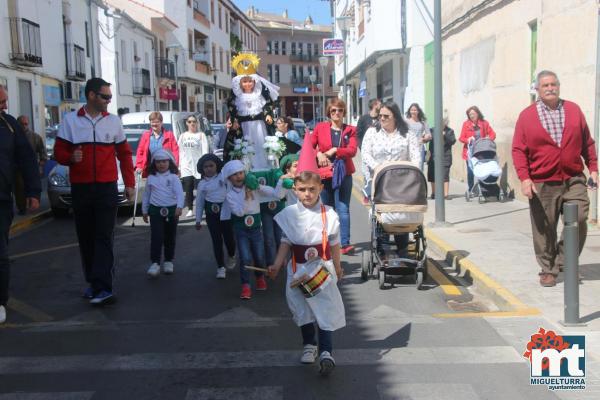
(25, 104)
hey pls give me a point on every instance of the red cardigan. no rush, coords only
(143, 151)
(321, 140)
(537, 157)
(467, 132)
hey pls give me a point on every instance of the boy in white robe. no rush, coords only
(311, 235)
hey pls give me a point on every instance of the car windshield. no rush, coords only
(146, 125)
(133, 139)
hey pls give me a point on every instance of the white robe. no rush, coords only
(304, 226)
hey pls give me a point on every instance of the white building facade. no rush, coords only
(386, 51)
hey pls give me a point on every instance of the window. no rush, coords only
(189, 3)
(220, 59)
(316, 49)
(301, 70)
(212, 11)
(87, 40)
(310, 70)
(190, 47)
(269, 48)
(214, 56)
(317, 74)
(146, 60)
(308, 49)
(330, 80)
(277, 73)
(226, 22)
(220, 18)
(299, 48)
(276, 47)
(270, 72)
(533, 44)
(283, 48)
(293, 48)
(123, 56)
(294, 72)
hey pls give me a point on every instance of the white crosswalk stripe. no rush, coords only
(245, 393)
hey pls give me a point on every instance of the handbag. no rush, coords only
(338, 169)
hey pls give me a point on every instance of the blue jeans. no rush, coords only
(339, 199)
(271, 236)
(251, 250)
(325, 337)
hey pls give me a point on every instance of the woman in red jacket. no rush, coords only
(333, 141)
(153, 139)
(474, 127)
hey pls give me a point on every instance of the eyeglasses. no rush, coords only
(106, 97)
(385, 116)
(336, 110)
(192, 122)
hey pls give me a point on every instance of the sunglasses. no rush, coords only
(337, 110)
(106, 97)
(385, 116)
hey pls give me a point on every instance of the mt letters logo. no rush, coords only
(557, 361)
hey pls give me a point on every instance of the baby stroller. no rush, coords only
(482, 158)
(398, 204)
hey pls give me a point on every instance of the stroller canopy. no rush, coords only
(400, 183)
(484, 148)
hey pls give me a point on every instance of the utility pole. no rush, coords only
(440, 206)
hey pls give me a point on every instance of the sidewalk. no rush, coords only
(491, 245)
(21, 222)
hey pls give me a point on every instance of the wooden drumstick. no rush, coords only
(256, 269)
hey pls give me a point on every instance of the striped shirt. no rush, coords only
(552, 120)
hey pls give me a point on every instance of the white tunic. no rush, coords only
(192, 146)
(303, 226)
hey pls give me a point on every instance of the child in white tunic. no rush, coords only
(210, 197)
(311, 232)
(161, 204)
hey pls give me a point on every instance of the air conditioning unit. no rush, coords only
(71, 91)
(209, 97)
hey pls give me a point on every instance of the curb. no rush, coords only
(504, 299)
(25, 223)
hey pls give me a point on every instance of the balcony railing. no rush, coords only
(165, 68)
(26, 45)
(141, 81)
(75, 59)
(303, 57)
(202, 67)
(303, 80)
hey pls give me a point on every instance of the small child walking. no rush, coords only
(162, 204)
(242, 206)
(311, 233)
(210, 196)
(289, 168)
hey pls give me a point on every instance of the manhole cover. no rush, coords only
(468, 306)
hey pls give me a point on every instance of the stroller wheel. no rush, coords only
(481, 199)
(419, 278)
(381, 277)
(366, 265)
(467, 196)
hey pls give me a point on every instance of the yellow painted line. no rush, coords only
(481, 277)
(442, 280)
(27, 222)
(494, 314)
(65, 246)
(28, 311)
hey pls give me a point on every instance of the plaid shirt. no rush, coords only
(552, 120)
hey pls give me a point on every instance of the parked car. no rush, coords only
(299, 126)
(219, 132)
(59, 185)
(312, 123)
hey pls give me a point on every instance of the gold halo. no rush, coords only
(245, 63)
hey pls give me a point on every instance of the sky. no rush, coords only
(297, 9)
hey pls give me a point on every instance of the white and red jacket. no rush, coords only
(100, 138)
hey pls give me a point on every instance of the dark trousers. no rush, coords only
(163, 232)
(545, 209)
(220, 232)
(19, 193)
(6, 216)
(189, 183)
(271, 236)
(95, 212)
(325, 337)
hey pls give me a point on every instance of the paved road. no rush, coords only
(188, 336)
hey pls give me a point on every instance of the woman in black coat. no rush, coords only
(449, 140)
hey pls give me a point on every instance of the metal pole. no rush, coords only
(594, 194)
(215, 98)
(345, 35)
(440, 210)
(176, 83)
(323, 89)
(312, 89)
(571, 267)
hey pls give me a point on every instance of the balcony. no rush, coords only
(202, 67)
(141, 81)
(165, 68)
(75, 58)
(303, 57)
(200, 16)
(26, 45)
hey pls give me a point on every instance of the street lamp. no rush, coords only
(313, 78)
(344, 25)
(323, 60)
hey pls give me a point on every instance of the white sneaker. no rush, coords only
(327, 363)
(154, 270)
(221, 273)
(168, 267)
(231, 262)
(190, 213)
(2, 314)
(309, 354)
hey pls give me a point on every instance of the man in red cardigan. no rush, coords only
(551, 139)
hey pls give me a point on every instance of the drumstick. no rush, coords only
(256, 268)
